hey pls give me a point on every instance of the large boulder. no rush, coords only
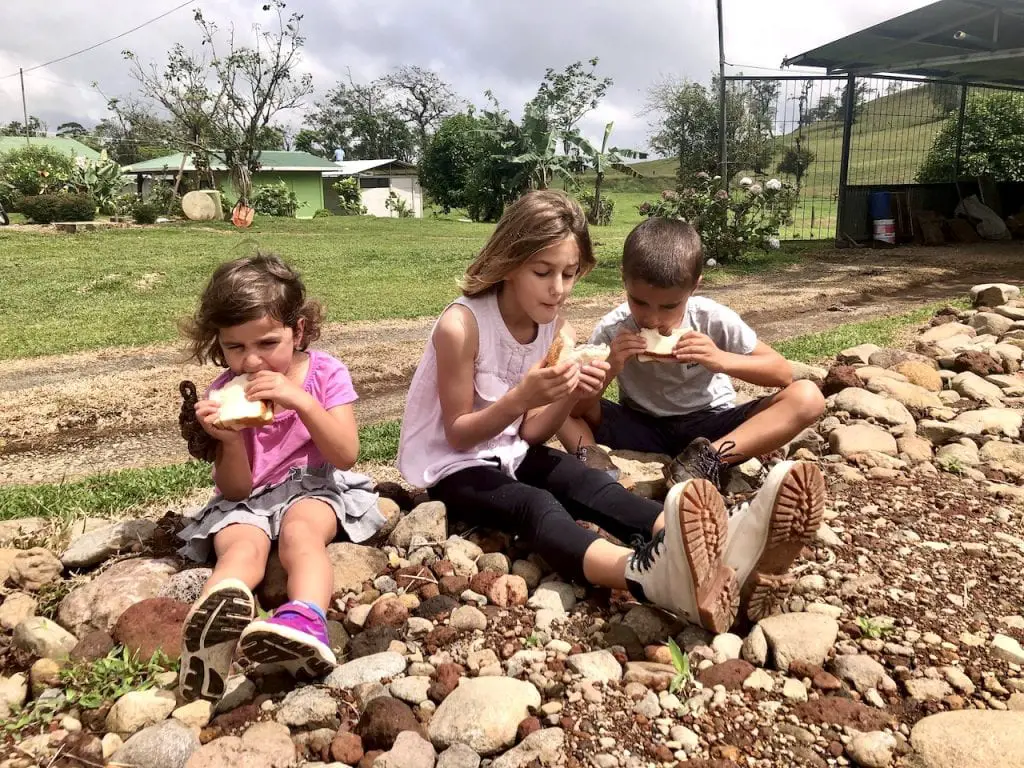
(428, 520)
(990, 323)
(993, 294)
(351, 564)
(152, 625)
(800, 637)
(97, 545)
(484, 713)
(970, 739)
(910, 395)
(853, 439)
(868, 405)
(32, 569)
(100, 603)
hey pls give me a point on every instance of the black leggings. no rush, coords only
(550, 492)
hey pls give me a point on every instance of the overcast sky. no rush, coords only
(503, 45)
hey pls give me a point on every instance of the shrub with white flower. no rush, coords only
(730, 224)
(746, 181)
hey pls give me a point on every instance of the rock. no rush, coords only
(805, 637)
(650, 625)
(863, 672)
(927, 689)
(308, 707)
(167, 744)
(873, 749)
(805, 372)
(970, 739)
(973, 386)
(186, 586)
(462, 554)
(410, 751)
(858, 438)
(497, 562)
(195, 714)
(347, 748)
(869, 373)
(17, 607)
(429, 521)
(840, 377)
(990, 323)
(727, 646)
(599, 666)
(270, 743)
(110, 744)
(755, 646)
(958, 455)
(993, 294)
(351, 565)
(996, 421)
(98, 545)
(32, 569)
(909, 395)
(458, 756)
(13, 692)
(137, 709)
(100, 603)
(530, 572)
(545, 747)
(868, 405)
(921, 374)
(978, 363)
(93, 646)
(507, 591)
(367, 669)
(448, 678)
(794, 690)
(946, 331)
(554, 595)
(152, 625)
(860, 355)
(435, 608)
(832, 710)
(729, 674)
(44, 673)
(915, 449)
(1007, 648)
(382, 720)
(411, 690)
(1012, 386)
(759, 680)
(39, 636)
(388, 612)
(484, 713)
(468, 618)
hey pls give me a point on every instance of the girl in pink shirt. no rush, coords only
(285, 482)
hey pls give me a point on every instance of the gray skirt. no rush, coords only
(349, 494)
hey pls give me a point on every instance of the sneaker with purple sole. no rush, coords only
(295, 638)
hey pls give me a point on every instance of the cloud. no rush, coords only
(504, 47)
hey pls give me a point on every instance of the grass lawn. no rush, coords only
(66, 293)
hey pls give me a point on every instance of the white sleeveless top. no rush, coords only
(424, 453)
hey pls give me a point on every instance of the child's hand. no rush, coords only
(695, 347)
(542, 386)
(278, 388)
(624, 346)
(592, 378)
(207, 412)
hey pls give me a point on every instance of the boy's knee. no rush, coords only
(808, 399)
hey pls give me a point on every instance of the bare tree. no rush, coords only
(421, 98)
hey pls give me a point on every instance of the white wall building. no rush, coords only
(377, 180)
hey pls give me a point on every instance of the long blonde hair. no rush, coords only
(535, 221)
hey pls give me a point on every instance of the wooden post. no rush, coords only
(24, 107)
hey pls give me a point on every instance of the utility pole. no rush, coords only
(24, 108)
(723, 148)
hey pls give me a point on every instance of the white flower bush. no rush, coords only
(773, 184)
(746, 181)
(756, 189)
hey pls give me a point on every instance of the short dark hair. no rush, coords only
(667, 253)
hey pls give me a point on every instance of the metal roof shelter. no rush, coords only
(966, 42)
(970, 41)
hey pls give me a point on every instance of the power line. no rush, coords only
(104, 42)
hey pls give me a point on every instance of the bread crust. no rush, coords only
(263, 416)
(656, 340)
(563, 349)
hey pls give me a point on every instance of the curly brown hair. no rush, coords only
(247, 289)
(535, 221)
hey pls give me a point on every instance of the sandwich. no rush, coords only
(236, 410)
(564, 350)
(659, 347)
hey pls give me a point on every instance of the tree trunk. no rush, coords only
(595, 207)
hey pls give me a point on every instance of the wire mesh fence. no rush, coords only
(903, 131)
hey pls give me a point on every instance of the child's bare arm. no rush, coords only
(334, 432)
(231, 469)
(763, 367)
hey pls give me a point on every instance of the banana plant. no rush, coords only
(531, 148)
(603, 160)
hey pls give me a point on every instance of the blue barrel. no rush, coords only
(879, 205)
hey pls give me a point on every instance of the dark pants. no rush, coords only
(541, 504)
(627, 429)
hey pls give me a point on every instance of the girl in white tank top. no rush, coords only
(482, 404)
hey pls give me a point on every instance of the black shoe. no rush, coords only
(700, 461)
(595, 458)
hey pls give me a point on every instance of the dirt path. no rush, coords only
(68, 416)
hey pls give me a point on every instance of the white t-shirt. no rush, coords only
(676, 389)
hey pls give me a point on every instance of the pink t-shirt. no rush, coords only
(276, 448)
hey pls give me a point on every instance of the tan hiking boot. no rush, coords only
(681, 569)
(767, 533)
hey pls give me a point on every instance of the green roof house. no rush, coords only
(301, 171)
(64, 146)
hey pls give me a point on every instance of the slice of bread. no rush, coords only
(563, 350)
(659, 347)
(236, 410)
